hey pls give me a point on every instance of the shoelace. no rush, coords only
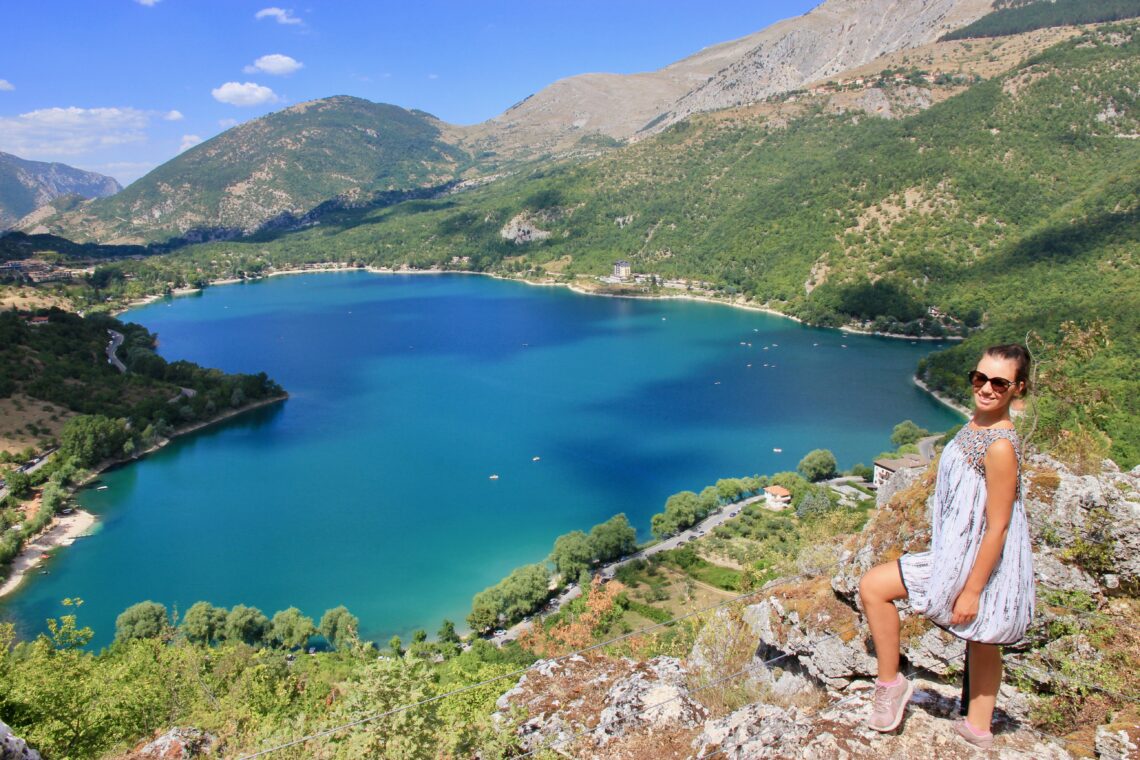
(881, 698)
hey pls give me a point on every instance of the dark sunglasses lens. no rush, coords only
(999, 384)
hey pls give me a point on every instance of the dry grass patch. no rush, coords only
(18, 412)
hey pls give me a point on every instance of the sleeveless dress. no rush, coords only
(934, 578)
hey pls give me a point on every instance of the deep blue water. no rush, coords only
(370, 486)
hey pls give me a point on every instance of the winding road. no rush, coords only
(112, 350)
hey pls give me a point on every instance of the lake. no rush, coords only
(371, 485)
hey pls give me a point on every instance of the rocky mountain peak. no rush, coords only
(28, 185)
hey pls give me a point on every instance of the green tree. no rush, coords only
(204, 623)
(814, 504)
(614, 538)
(19, 484)
(818, 465)
(907, 432)
(339, 627)
(396, 646)
(247, 624)
(488, 607)
(145, 620)
(90, 438)
(572, 553)
(291, 629)
(447, 632)
(407, 734)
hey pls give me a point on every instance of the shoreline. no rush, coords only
(735, 303)
(945, 401)
(63, 531)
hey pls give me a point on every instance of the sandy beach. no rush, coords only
(63, 531)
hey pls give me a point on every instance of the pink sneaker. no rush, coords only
(966, 731)
(889, 705)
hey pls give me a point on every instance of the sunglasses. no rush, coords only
(999, 384)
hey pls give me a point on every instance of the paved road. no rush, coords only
(926, 446)
(31, 466)
(607, 572)
(112, 350)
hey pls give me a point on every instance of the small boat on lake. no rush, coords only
(101, 488)
(493, 477)
(777, 451)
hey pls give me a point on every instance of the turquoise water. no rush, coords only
(370, 486)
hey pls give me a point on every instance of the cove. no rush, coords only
(370, 486)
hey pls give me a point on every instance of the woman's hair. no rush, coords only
(1017, 353)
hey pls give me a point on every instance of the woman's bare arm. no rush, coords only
(1001, 489)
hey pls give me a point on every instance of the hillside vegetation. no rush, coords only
(1017, 17)
(1012, 205)
(274, 171)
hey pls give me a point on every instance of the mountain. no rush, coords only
(28, 185)
(273, 171)
(1004, 199)
(837, 35)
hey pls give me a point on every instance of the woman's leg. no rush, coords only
(985, 678)
(880, 587)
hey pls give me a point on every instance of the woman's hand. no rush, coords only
(965, 607)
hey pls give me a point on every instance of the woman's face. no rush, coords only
(986, 399)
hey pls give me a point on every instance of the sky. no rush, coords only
(121, 86)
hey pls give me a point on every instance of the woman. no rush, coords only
(977, 579)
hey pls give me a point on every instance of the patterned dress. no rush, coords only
(934, 578)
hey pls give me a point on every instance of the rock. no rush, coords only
(13, 747)
(1051, 572)
(1118, 742)
(937, 652)
(176, 744)
(755, 731)
(650, 698)
(836, 731)
(596, 700)
(521, 229)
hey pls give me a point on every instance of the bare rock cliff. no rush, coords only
(837, 35)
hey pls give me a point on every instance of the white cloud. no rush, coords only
(173, 116)
(6, 86)
(243, 94)
(227, 123)
(274, 63)
(433, 76)
(281, 15)
(52, 132)
(148, 3)
(189, 141)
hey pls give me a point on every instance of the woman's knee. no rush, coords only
(881, 583)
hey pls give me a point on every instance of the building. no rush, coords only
(622, 270)
(777, 497)
(885, 468)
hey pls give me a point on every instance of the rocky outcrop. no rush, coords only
(594, 702)
(522, 229)
(176, 744)
(13, 747)
(810, 675)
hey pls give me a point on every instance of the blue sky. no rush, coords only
(120, 86)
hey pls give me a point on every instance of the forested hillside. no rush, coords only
(1013, 17)
(1013, 204)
